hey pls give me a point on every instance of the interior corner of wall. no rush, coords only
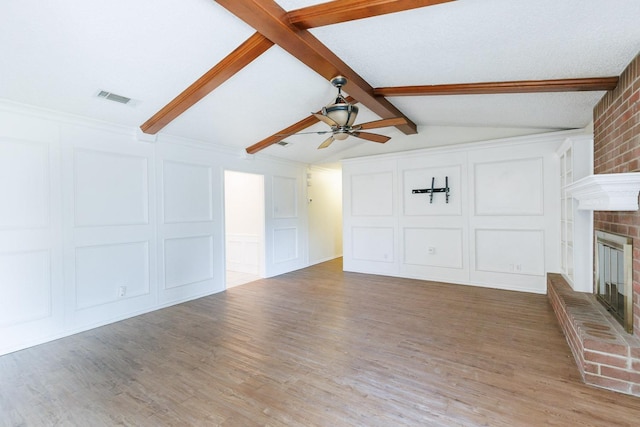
(145, 137)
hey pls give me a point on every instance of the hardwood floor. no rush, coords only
(316, 347)
(237, 278)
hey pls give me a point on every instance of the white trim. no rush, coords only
(606, 192)
(545, 137)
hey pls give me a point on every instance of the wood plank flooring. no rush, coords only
(317, 347)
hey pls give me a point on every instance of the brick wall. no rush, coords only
(617, 150)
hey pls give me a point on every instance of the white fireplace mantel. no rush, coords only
(606, 192)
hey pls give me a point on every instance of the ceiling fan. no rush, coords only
(340, 115)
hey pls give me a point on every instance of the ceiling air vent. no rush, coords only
(115, 97)
(283, 143)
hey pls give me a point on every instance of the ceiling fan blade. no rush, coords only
(371, 137)
(327, 142)
(394, 121)
(325, 119)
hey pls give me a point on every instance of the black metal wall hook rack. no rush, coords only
(433, 190)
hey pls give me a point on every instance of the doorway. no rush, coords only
(244, 227)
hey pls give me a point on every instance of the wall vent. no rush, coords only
(115, 97)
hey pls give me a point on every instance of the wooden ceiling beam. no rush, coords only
(253, 47)
(294, 128)
(521, 86)
(269, 19)
(334, 12)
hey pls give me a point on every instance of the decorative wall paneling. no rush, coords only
(109, 225)
(96, 226)
(110, 188)
(286, 224)
(27, 283)
(243, 253)
(31, 281)
(105, 273)
(370, 236)
(24, 174)
(191, 243)
(521, 180)
(434, 232)
(499, 229)
(514, 215)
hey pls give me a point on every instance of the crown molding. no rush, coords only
(606, 192)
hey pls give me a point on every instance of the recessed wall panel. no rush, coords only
(422, 203)
(285, 244)
(510, 251)
(285, 199)
(373, 243)
(25, 286)
(433, 247)
(106, 273)
(187, 192)
(188, 260)
(372, 194)
(513, 187)
(24, 184)
(110, 189)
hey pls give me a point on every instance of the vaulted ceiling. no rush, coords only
(240, 73)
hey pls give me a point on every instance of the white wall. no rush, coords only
(96, 226)
(324, 194)
(244, 222)
(500, 228)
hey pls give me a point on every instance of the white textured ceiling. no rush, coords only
(57, 55)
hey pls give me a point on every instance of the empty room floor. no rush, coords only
(316, 347)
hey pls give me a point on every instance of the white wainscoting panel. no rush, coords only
(372, 194)
(373, 244)
(510, 187)
(25, 283)
(285, 244)
(24, 184)
(187, 206)
(419, 203)
(433, 247)
(510, 251)
(243, 253)
(285, 197)
(188, 260)
(102, 270)
(110, 189)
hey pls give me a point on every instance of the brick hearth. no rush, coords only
(606, 355)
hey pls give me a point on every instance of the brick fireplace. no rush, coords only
(606, 354)
(617, 150)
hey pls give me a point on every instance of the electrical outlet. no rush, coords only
(431, 250)
(122, 291)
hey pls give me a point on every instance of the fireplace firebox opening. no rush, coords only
(614, 271)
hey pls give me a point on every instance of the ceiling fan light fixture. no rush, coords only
(343, 113)
(341, 135)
